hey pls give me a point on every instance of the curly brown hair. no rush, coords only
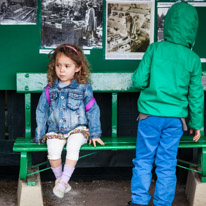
(74, 53)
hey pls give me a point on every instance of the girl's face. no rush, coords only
(65, 68)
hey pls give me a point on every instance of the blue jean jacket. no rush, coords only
(67, 111)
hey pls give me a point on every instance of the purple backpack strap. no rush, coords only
(47, 94)
(89, 104)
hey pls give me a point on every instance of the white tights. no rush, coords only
(74, 143)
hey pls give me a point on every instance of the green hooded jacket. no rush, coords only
(169, 75)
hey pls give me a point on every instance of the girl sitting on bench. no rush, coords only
(67, 113)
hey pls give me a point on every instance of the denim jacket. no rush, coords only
(67, 111)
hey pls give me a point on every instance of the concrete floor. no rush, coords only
(103, 190)
(95, 193)
(101, 193)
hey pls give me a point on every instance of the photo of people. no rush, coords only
(160, 22)
(16, 12)
(129, 29)
(162, 8)
(77, 22)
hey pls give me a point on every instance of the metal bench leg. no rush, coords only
(203, 165)
(23, 165)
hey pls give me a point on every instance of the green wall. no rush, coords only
(19, 52)
(200, 44)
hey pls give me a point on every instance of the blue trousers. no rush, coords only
(157, 142)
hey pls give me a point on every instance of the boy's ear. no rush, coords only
(78, 69)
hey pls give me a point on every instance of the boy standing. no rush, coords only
(169, 77)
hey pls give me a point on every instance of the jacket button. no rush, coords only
(62, 97)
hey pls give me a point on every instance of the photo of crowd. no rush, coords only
(71, 21)
(18, 12)
(129, 29)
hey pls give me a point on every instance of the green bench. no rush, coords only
(113, 83)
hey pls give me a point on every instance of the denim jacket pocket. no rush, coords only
(53, 98)
(74, 100)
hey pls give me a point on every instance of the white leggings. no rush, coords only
(74, 143)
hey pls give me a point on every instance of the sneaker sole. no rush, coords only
(56, 194)
(68, 189)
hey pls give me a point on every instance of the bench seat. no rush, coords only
(22, 145)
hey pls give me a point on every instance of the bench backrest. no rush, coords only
(101, 82)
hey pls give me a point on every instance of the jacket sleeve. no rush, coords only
(42, 114)
(141, 76)
(93, 115)
(196, 98)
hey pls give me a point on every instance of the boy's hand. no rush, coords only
(94, 140)
(197, 134)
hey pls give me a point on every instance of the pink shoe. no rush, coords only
(68, 187)
(58, 192)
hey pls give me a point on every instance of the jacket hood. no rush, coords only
(181, 24)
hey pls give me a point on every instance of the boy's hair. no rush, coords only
(76, 55)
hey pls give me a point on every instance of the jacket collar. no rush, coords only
(74, 84)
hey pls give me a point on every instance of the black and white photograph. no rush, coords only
(18, 12)
(162, 8)
(129, 28)
(76, 22)
(160, 22)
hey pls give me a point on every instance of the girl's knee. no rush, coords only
(54, 155)
(72, 153)
(55, 148)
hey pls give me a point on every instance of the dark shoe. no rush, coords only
(133, 204)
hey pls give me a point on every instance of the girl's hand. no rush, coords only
(94, 140)
(36, 141)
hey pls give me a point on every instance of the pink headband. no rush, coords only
(72, 48)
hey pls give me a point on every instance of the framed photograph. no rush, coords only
(200, 44)
(129, 28)
(18, 12)
(77, 22)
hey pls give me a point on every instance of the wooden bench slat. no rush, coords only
(121, 143)
(22, 145)
(101, 82)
